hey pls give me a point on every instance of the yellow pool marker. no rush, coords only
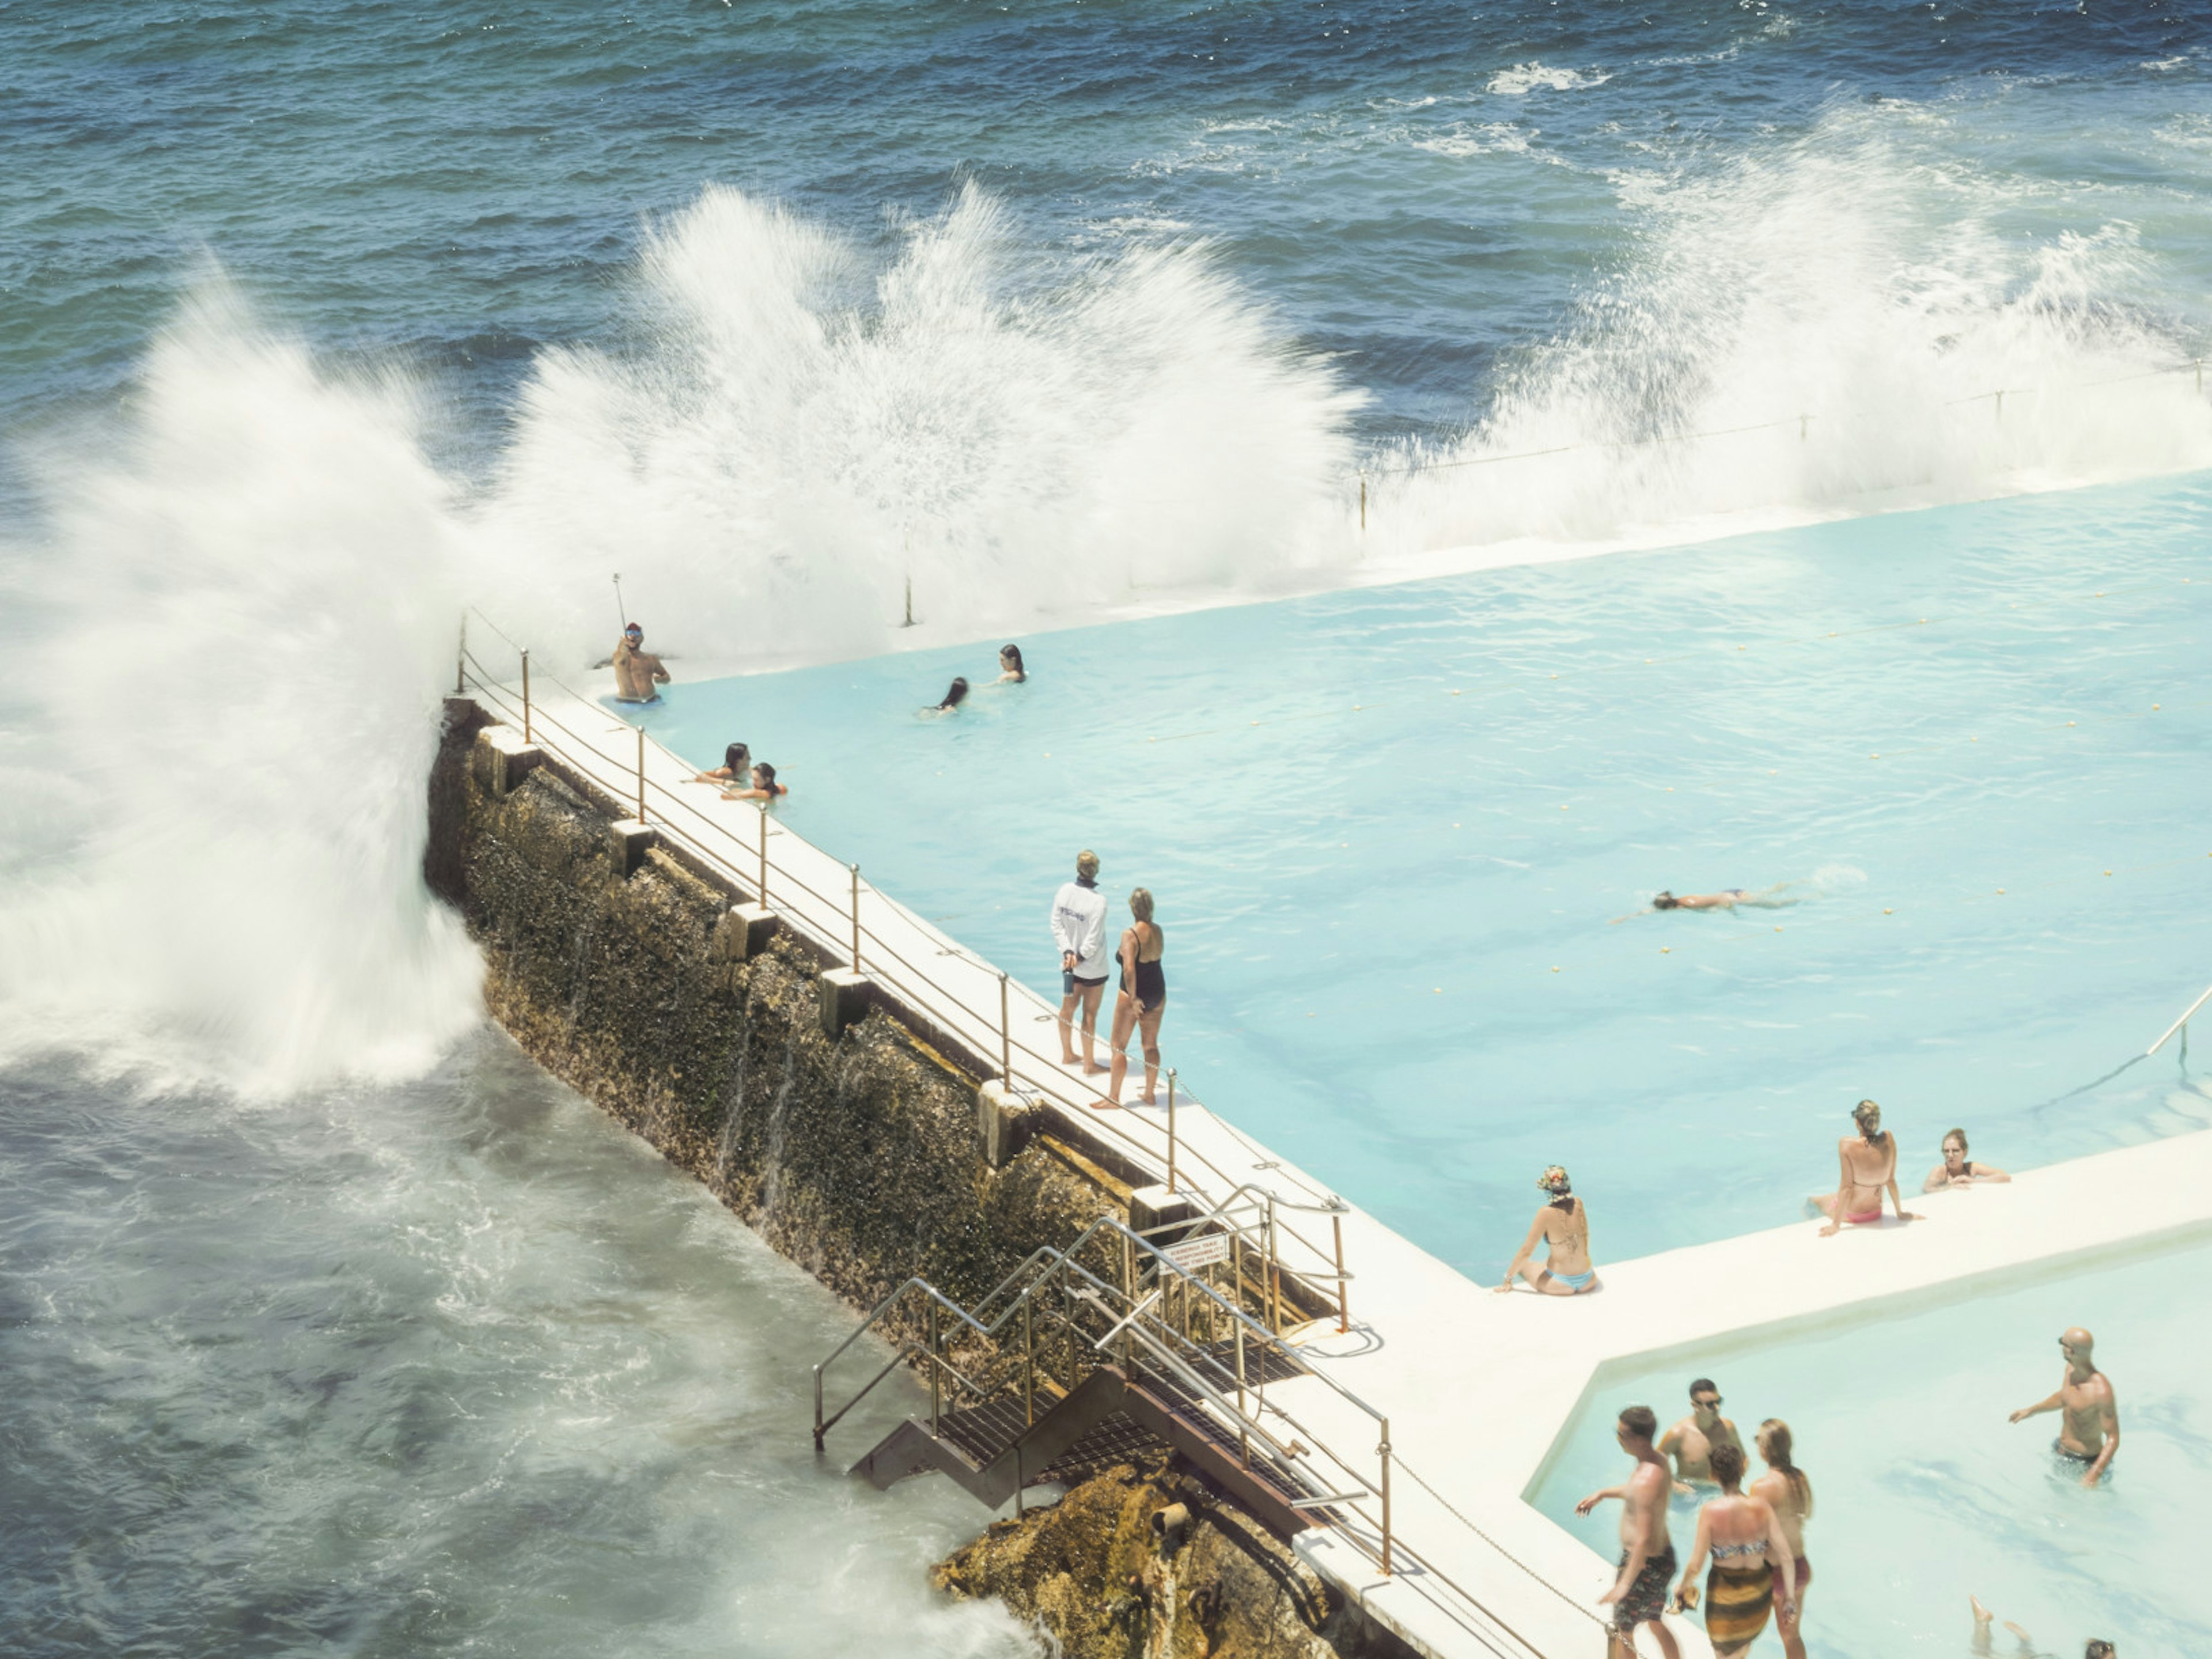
(1555, 970)
(1665, 949)
(2154, 707)
(1887, 911)
(2000, 891)
(2108, 872)
(1778, 928)
(1440, 990)
(1874, 757)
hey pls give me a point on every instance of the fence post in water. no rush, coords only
(525, 696)
(1343, 1284)
(1384, 1451)
(1005, 1033)
(908, 622)
(856, 918)
(1171, 1129)
(2000, 406)
(641, 774)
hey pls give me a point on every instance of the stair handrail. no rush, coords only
(924, 991)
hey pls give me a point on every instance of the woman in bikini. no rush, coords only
(1144, 998)
(1564, 1225)
(1754, 1570)
(1869, 1165)
(1789, 1494)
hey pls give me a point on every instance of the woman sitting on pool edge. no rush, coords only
(765, 787)
(1564, 1225)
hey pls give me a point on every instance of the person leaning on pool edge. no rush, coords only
(1957, 1169)
(1870, 1168)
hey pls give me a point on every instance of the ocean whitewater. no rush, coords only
(322, 326)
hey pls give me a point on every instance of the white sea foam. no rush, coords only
(1524, 78)
(1838, 316)
(250, 607)
(806, 435)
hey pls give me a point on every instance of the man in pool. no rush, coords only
(1870, 1169)
(637, 670)
(1638, 1594)
(1079, 927)
(2089, 1417)
(1690, 1442)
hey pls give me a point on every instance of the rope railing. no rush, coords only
(830, 927)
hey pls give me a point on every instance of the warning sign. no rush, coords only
(1201, 1252)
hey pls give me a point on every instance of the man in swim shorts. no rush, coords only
(1690, 1442)
(637, 670)
(1638, 1595)
(1079, 927)
(2089, 1417)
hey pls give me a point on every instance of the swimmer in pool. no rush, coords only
(737, 761)
(1010, 671)
(1870, 1168)
(2089, 1417)
(1957, 1169)
(2095, 1648)
(955, 696)
(765, 787)
(1563, 1224)
(1730, 898)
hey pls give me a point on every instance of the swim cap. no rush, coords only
(1554, 1182)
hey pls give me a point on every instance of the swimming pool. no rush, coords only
(1388, 830)
(1924, 1493)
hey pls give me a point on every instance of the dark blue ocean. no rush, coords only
(327, 1325)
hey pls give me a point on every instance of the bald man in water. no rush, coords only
(2089, 1420)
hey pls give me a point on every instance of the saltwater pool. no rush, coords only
(1388, 830)
(1924, 1493)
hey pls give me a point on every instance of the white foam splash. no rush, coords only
(252, 608)
(805, 435)
(1838, 316)
(1524, 78)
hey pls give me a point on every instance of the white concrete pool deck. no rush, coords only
(1478, 1388)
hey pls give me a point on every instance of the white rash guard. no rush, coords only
(1078, 925)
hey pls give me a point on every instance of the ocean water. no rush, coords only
(1924, 1495)
(318, 322)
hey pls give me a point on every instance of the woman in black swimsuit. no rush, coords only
(1144, 998)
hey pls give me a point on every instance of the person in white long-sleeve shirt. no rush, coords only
(1079, 927)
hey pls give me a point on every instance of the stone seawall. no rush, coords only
(858, 1157)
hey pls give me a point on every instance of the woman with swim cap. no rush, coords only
(1563, 1224)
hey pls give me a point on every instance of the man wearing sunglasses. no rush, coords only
(2089, 1417)
(1690, 1442)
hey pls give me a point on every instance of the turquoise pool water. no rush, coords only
(1924, 1494)
(1389, 829)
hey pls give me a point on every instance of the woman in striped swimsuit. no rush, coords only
(1753, 1565)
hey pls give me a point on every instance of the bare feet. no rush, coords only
(1093, 1068)
(1103, 1104)
(1982, 1614)
(1148, 1100)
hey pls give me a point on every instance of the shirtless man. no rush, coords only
(1957, 1169)
(1690, 1442)
(2089, 1417)
(1638, 1594)
(1869, 1166)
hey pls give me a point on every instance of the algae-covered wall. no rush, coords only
(856, 1157)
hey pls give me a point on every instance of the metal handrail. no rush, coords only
(921, 990)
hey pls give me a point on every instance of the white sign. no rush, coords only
(1195, 1253)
